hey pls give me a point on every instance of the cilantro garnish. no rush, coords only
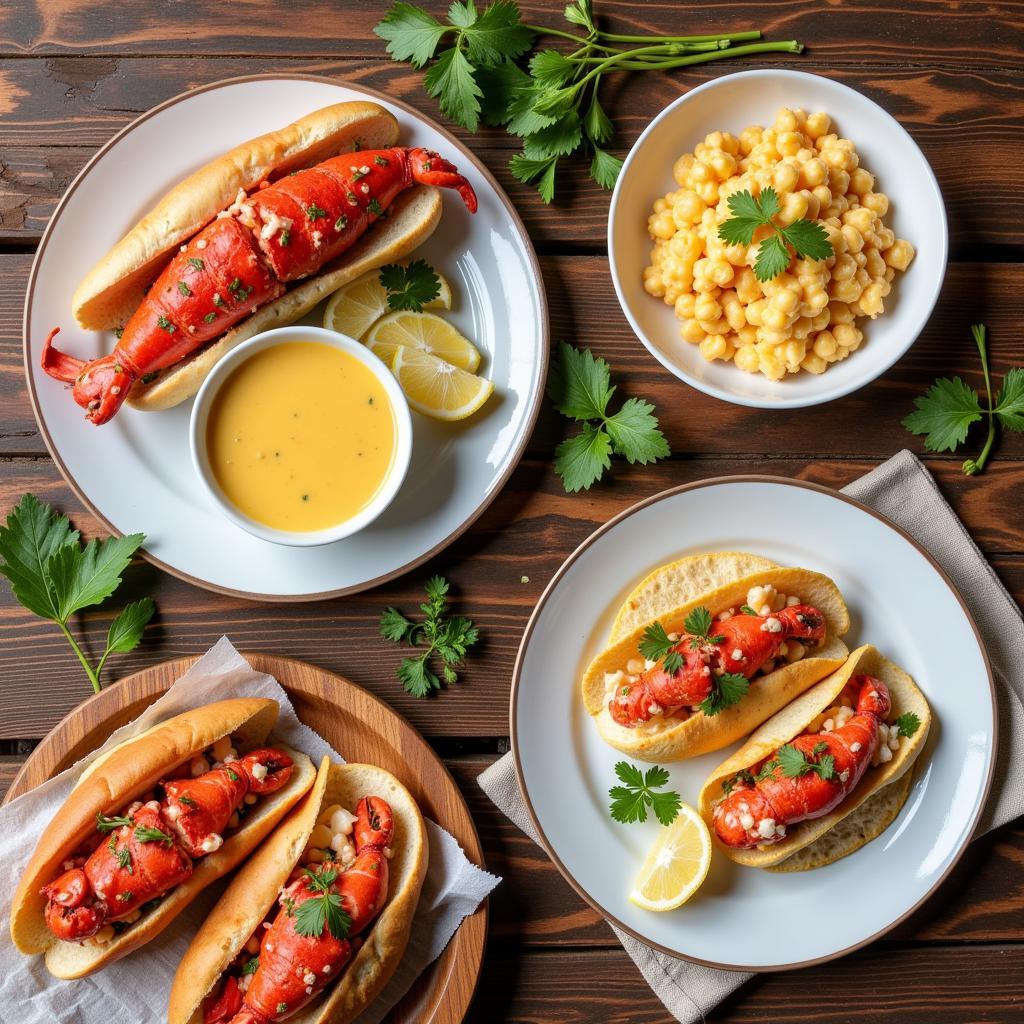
(806, 238)
(550, 102)
(450, 636)
(698, 624)
(322, 909)
(747, 610)
(108, 824)
(251, 966)
(579, 386)
(656, 646)
(793, 762)
(410, 287)
(907, 724)
(949, 408)
(145, 834)
(726, 690)
(743, 775)
(631, 800)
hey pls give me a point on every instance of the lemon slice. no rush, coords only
(426, 332)
(436, 388)
(677, 864)
(357, 306)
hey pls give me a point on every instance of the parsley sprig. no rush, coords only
(793, 763)
(698, 624)
(410, 287)
(804, 237)
(579, 386)
(54, 577)
(907, 724)
(631, 800)
(946, 412)
(550, 102)
(656, 645)
(450, 636)
(323, 909)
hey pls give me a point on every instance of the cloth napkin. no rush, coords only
(135, 988)
(905, 493)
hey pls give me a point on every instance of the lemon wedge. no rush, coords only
(676, 865)
(426, 332)
(436, 388)
(354, 308)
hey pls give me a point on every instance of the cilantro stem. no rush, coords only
(732, 37)
(93, 675)
(544, 30)
(973, 466)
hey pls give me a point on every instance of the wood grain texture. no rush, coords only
(585, 312)
(353, 722)
(60, 109)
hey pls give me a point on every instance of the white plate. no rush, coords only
(135, 472)
(899, 600)
(731, 103)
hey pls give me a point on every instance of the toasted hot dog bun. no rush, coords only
(113, 289)
(665, 738)
(879, 795)
(411, 220)
(255, 889)
(116, 779)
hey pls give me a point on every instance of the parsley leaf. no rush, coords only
(907, 724)
(449, 636)
(251, 966)
(631, 800)
(451, 80)
(747, 610)
(410, 287)
(808, 239)
(527, 169)
(949, 408)
(597, 125)
(944, 413)
(323, 909)
(411, 33)
(108, 824)
(698, 624)
(580, 388)
(793, 763)
(604, 168)
(726, 689)
(657, 645)
(54, 577)
(557, 139)
(146, 834)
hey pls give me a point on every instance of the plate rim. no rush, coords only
(265, 662)
(529, 423)
(781, 402)
(549, 590)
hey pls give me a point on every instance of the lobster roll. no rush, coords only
(708, 647)
(825, 775)
(318, 919)
(150, 823)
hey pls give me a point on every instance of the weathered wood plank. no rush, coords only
(921, 31)
(584, 311)
(529, 530)
(877, 986)
(77, 103)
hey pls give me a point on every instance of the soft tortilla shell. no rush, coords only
(255, 888)
(793, 720)
(672, 739)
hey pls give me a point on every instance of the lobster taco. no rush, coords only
(826, 774)
(150, 824)
(315, 923)
(707, 648)
(253, 240)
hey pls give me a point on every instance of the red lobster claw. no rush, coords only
(429, 168)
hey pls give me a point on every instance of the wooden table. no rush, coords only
(72, 73)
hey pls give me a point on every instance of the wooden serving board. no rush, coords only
(357, 725)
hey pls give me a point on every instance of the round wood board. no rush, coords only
(361, 728)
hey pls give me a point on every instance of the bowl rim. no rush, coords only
(781, 401)
(291, 334)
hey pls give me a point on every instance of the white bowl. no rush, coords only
(403, 435)
(731, 104)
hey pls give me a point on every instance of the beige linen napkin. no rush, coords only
(904, 492)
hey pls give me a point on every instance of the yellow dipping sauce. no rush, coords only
(301, 436)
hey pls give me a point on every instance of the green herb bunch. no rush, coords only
(54, 577)
(479, 72)
(948, 410)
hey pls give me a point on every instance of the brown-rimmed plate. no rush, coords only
(135, 473)
(361, 728)
(900, 601)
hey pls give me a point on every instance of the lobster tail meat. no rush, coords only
(150, 849)
(818, 772)
(244, 259)
(741, 645)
